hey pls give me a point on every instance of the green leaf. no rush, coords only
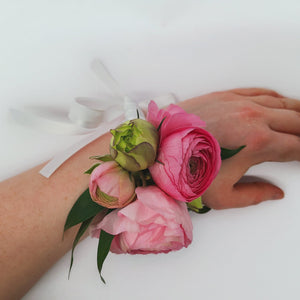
(159, 162)
(227, 153)
(83, 209)
(196, 204)
(104, 158)
(91, 169)
(79, 234)
(160, 123)
(105, 240)
(105, 197)
(203, 210)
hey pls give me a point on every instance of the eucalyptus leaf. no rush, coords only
(104, 244)
(91, 169)
(103, 158)
(83, 209)
(227, 153)
(79, 234)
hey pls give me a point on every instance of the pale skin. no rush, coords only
(33, 209)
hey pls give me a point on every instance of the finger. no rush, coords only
(245, 194)
(280, 103)
(231, 172)
(284, 147)
(235, 167)
(286, 121)
(254, 92)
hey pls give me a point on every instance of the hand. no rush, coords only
(266, 122)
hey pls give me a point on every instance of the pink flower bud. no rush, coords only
(111, 186)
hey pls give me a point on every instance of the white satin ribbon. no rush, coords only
(61, 157)
(92, 117)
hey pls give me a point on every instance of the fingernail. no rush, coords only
(278, 195)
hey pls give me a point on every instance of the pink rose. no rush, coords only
(111, 186)
(188, 156)
(154, 223)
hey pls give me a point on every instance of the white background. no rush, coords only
(152, 48)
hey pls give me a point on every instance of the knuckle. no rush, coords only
(250, 112)
(282, 103)
(259, 139)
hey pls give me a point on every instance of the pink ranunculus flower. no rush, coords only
(111, 186)
(175, 118)
(188, 156)
(154, 223)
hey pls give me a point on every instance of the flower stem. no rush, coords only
(144, 183)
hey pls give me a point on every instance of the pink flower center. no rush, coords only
(193, 163)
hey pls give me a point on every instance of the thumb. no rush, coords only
(245, 194)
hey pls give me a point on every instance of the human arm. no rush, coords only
(33, 209)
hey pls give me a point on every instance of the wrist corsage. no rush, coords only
(139, 194)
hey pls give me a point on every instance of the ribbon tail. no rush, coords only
(103, 74)
(60, 158)
(32, 119)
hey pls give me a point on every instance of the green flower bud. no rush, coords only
(134, 144)
(197, 206)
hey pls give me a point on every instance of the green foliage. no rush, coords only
(103, 158)
(227, 153)
(197, 206)
(161, 122)
(83, 209)
(104, 244)
(84, 226)
(202, 210)
(91, 169)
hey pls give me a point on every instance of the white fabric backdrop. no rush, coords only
(152, 48)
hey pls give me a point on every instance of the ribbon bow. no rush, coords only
(91, 117)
